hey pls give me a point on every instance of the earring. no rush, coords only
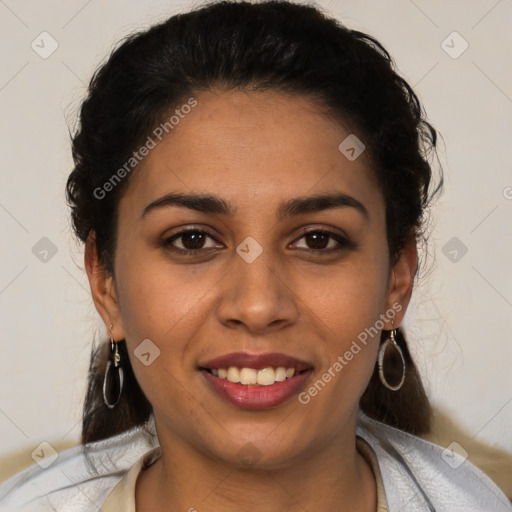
(114, 376)
(391, 377)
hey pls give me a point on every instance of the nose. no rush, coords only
(257, 296)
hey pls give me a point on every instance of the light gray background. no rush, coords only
(459, 323)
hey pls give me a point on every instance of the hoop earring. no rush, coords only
(114, 376)
(391, 342)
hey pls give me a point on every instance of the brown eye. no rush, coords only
(193, 240)
(317, 240)
(190, 241)
(324, 242)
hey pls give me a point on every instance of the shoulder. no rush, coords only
(83, 476)
(418, 474)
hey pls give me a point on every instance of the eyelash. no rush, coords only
(344, 243)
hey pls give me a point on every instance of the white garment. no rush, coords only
(413, 470)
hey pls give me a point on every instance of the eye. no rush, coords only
(192, 241)
(320, 240)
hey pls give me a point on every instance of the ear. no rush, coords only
(401, 282)
(103, 289)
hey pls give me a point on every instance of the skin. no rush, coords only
(253, 150)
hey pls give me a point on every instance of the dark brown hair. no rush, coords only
(274, 45)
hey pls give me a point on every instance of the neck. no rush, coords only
(335, 477)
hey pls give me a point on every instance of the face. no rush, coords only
(263, 278)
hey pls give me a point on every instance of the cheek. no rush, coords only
(167, 307)
(350, 298)
(346, 320)
(155, 298)
(347, 307)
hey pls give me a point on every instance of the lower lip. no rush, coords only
(257, 397)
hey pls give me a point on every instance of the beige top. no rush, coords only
(122, 496)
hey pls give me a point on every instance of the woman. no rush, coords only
(250, 184)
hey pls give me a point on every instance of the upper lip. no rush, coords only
(256, 361)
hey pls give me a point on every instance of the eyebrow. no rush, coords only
(206, 203)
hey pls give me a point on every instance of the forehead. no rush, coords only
(250, 147)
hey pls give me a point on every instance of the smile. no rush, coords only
(251, 376)
(256, 381)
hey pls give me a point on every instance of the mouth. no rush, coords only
(256, 381)
(253, 377)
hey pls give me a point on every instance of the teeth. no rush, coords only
(250, 376)
(266, 377)
(280, 374)
(233, 374)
